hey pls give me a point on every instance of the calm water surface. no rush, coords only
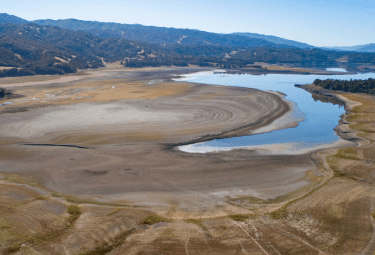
(317, 119)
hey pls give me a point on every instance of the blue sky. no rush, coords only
(316, 22)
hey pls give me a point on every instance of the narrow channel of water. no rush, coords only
(317, 119)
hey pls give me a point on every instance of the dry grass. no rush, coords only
(93, 91)
(352, 162)
(347, 153)
(35, 78)
(341, 208)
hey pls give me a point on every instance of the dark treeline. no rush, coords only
(354, 86)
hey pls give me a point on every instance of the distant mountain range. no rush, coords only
(359, 48)
(159, 35)
(63, 46)
(163, 35)
(277, 40)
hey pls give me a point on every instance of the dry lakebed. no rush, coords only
(91, 164)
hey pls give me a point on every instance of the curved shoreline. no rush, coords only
(286, 148)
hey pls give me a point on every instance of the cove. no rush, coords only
(316, 119)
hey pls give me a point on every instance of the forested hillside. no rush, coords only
(28, 49)
(158, 35)
(34, 49)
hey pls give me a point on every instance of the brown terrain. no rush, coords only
(89, 165)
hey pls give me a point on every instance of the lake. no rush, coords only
(316, 119)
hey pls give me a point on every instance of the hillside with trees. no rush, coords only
(29, 49)
(157, 35)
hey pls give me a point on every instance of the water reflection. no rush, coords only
(321, 114)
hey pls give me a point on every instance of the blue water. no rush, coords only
(319, 118)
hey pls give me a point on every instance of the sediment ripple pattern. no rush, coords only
(205, 110)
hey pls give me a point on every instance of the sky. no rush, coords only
(316, 22)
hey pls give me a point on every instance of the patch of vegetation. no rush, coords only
(197, 222)
(347, 153)
(373, 215)
(5, 227)
(74, 212)
(280, 213)
(241, 217)
(41, 198)
(105, 248)
(353, 86)
(153, 219)
(54, 194)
